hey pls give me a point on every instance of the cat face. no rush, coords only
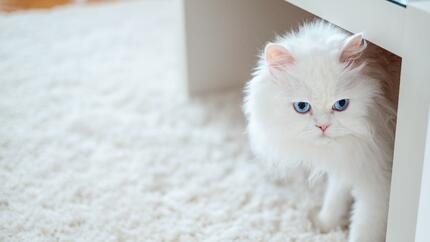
(327, 102)
(313, 95)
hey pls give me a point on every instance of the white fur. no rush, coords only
(356, 151)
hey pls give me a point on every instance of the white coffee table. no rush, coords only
(222, 39)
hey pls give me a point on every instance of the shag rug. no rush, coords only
(97, 142)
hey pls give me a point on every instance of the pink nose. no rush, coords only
(323, 127)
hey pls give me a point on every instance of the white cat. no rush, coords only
(312, 101)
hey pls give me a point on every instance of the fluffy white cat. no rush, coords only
(313, 101)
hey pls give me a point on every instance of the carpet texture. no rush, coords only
(97, 143)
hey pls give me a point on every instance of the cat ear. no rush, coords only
(277, 56)
(352, 48)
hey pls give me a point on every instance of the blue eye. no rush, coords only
(302, 107)
(340, 105)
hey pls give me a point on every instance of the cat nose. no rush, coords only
(323, 127)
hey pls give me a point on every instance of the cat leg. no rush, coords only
(335, 208)
(369, 219)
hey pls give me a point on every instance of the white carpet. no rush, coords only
(97, 145)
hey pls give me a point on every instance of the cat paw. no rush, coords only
(322, 222)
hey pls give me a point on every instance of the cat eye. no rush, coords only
(340, 105)
(302, 107)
